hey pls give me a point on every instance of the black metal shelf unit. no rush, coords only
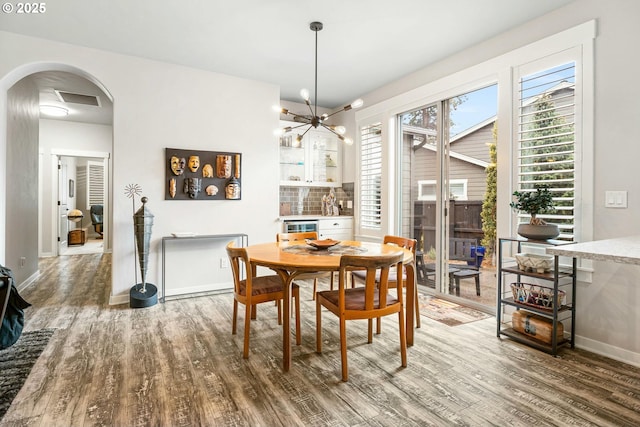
(560, 277)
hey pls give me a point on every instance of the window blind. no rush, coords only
(371, 177)
(95, 184)
(546, 141)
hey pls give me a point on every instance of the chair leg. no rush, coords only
(343, 348)
(478, 285)
(235, 317)
(296, 295)
(417, 306)
(318, 326)
(370, 331)
(279, 304)
(403, 339)
(247, 325)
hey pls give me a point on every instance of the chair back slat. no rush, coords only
(287, 237)
(239, 259)
(376, 280)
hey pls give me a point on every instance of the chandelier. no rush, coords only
(313, 120)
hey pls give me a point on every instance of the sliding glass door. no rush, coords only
(446, 151)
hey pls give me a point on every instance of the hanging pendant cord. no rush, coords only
(315, 93)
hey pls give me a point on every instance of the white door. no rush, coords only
(63, 223)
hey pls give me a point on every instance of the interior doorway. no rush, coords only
(71, 145)
(82, 191)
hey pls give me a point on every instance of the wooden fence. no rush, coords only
(464, 222)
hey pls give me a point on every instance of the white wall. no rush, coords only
(608, 320)
(158, 105)
(19, 249)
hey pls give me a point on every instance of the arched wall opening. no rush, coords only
(24, 239)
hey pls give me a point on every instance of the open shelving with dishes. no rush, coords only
(545, 304)
(313, 161)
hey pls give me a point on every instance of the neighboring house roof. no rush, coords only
(473, 128)
(429, 132)
(562, 85)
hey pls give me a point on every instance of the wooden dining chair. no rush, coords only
(371, 301)
(315, 275)
(406, 243)
(255, 290)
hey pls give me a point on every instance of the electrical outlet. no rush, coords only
(224, 262)
(23, 261)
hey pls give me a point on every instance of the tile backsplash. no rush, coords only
(308, 200)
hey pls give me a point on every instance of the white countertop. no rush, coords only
(310, 217)
(625, 250)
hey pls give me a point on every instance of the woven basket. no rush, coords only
(536, 295)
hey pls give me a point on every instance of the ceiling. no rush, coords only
(364, 45)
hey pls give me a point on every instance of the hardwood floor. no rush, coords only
(177, 364)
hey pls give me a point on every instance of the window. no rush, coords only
(95, 184)
(371, 177)
(457, 189)
(546, 140)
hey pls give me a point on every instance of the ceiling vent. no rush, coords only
(76, 98)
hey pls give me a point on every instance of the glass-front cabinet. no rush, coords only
(313, 161)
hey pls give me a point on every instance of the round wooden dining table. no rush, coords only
(290, 259)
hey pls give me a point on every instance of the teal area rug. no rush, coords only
(16, 363)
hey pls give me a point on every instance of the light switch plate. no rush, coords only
(615, 199)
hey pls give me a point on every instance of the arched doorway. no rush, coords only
(27, 239)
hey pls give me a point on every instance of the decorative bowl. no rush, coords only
(534, 262)
(539, 232)
(322, 244)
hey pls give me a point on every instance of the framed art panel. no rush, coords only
(202, 175)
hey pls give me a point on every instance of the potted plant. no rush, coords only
(534, 203)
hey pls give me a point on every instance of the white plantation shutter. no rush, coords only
(547, 139)
(95, 184)
(371, 177)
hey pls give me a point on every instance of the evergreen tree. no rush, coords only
(488, 213)
(547, 152)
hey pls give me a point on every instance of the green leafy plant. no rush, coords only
(534, 203)
(488, 213)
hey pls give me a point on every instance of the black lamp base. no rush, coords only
(138, 299)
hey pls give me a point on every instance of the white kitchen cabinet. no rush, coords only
(313, 162)
(337, 228)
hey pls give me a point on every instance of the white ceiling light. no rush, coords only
(314, 120)
(53, 110)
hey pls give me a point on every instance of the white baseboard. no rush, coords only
(119, 299)
(24, 285)
(613, 352)
(179, 293)
(211, 287)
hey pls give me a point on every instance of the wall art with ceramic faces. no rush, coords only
(202, 175)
